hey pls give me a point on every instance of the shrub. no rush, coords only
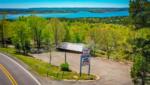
(137, 66)
(64, 67)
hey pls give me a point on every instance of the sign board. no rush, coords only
(85, 60)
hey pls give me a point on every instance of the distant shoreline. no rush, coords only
(58, 10)
(98, 18)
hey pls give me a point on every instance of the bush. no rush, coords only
(64, 67)
(137, 66)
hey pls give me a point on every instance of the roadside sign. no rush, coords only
(85, 60)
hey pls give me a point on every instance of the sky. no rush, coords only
(63, 3)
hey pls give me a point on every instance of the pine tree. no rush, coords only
(138, 12)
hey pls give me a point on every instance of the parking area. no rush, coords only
(110, 72)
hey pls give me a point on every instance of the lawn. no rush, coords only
(45, 69)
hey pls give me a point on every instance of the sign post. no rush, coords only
(80, 67)
(85, 60)
(89, 69)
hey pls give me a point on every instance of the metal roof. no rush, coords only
(77, 47)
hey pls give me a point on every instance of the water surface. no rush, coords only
(81, 14)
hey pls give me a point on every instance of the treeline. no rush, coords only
(30, 32)
(33, 34)
(121, 20)
(140, 17)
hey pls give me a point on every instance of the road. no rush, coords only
(12, 73)
(4, 79)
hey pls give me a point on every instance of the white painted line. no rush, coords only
(22, 69)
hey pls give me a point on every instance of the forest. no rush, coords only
(117, 38)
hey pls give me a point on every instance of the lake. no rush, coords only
(81, 14)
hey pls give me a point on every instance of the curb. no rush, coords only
(97, 78)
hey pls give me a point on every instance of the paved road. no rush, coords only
(4, 79)
(12, 73)
(110, 72)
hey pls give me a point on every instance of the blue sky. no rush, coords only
(62, 3)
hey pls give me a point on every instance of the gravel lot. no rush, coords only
(110, 72)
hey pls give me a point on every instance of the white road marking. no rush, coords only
(22, 69)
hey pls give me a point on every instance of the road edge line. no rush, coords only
(22, 68)
(5, 71)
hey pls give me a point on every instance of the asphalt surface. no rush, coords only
(109, 71)
(3, 79)
(12, 73)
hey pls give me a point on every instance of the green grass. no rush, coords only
(45, 69)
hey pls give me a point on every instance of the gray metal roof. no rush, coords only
(78, 47)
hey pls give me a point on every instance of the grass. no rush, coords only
(45, 69)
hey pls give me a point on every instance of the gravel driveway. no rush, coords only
(110, 72)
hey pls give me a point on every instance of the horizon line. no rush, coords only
(59, 7)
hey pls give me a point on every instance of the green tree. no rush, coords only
(58, 30)
(21, 37)
(141, 46)
(48, 40)
(93, 38)
(37, 25)
(139, 12)
(137, 67)
(67, 37)
(3, 31)
(107, 41)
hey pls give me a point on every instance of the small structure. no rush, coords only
(74, 47)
